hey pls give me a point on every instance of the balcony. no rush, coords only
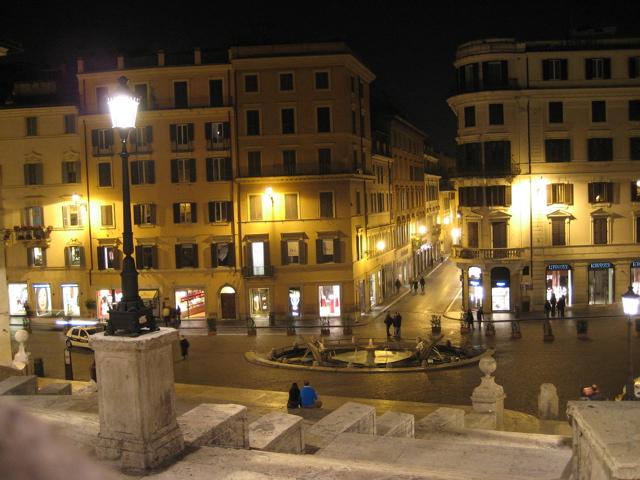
(258, 272)
(464, 253)
(492, 171)
(32, 232)
(300, 169)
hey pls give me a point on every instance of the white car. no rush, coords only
(79, 336)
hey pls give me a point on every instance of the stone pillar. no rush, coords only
(489, 396)
(548, 403)
(136, 399)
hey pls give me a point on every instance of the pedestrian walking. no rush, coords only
(415, 286)
(166, 315)
(547, 308)
(561, 305)
(422, 282)
(480, 317)
(398, 285)
(388, 322)
(184, 347)
(553, 301)
(470, 318)
(397, 324)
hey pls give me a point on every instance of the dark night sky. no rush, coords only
(409, 45)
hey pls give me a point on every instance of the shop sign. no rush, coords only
(601, 265)
(564, 266)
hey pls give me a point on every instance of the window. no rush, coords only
(254, 160)
(560, 193)
(141, 139)
(495, 74)
(288, 120)
(634, 148)
(496, 114)
(217, 135)
(327, 250)
(597, 68)
(144, 214)
(143, 172)
(558, 231)
(71, 172)
(600, 149)
(146, 257)
(634, 67)
(219, 169)
(554, 69)
(556, 112)
(106, 216)
(186, 255)
(468, 77)
(291, 206)
(74, 256)
(184, 212)
(181, 94)
(498, 196)
(181, 136)
(104, 174)
(598, 111)
(286, 82)
(557, 150)
(142, 91)
(499, 234)
(600, 230)
(634, 110)
(251, 83)
(497, 156)
(289, 161)
(71, 216)
(102, 142)
(108, 258)
(220, 212)
(324, 160)
(472, 234)
(326, 205)
(36, 257)
(33, 174)
(253, 122)
(293, 252)
(255, 208)
(183, 170)
(469, 116)
(323, 117)
(34, 216)
(102, 93)
(223, 255)
(70, 124)
(601, 192)
(216, 96)
(322, 80)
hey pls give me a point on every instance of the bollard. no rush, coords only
(68, 367)
(38, 367)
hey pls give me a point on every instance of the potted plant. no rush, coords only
(212, 326)
(251, 327)
(582, 326)
(435, 323)
(464, 323)
(347, 328)
(547, 332)
(91, 306)
(291, 325)
(491, 329)
(324, 326)
(515, 329)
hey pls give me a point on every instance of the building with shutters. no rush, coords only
(547, 170)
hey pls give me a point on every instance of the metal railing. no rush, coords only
(465, 253)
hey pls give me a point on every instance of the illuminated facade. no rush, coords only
(549, 144)
(255, 188)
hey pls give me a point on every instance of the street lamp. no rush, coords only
(630, 307)
(130, 313)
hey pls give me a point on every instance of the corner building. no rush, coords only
(547, 170)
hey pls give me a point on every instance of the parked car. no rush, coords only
(79, 336)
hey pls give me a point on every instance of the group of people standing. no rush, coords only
(552, 304)
(395, 321)
(305, 398)
(471, 321)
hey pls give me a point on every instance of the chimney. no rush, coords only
(120, 61)
(197, 54)
(80, 65)
(161, 58)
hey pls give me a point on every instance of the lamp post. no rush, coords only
(630, 305)
(130, 313)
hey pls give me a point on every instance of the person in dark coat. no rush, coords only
(388, 322)
(397, 324)
(470, 318)
(184, 347)
(561, 305)
(480, 317)
(422, 282)
(547, 308)
(398, 285)
(553, 301)
(294, 396)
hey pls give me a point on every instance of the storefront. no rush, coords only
(260, 299)
(475, 288)
(151, 298)
(190, 302)
(294, 296)
(228, 302)
(42, 294)
(635, 276)
(559, 281)
(601, 283)
(500, 289)
(330, 301)
(18, 298)
(106, 300)
(70, 299)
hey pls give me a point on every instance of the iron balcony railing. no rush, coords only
(466, 253)
(258, 272)
(315, 168)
